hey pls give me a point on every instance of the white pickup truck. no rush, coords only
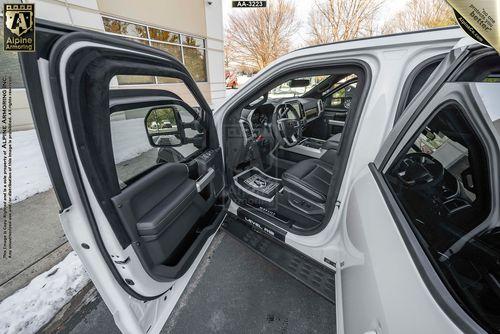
(379, 168)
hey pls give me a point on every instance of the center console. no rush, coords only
(310, 147)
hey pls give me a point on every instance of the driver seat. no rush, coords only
(311, 178)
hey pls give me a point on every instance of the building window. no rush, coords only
(190, 50)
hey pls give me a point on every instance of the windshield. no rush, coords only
(296, 87)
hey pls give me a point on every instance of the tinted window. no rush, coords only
(442, 185)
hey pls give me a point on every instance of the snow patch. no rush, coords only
(29, 174)
(33, 306)
(129, 139)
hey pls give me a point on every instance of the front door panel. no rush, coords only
(139, 237)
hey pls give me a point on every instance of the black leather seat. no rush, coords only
(310, 179)
(333, 142)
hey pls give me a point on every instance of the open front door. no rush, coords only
(137, 172)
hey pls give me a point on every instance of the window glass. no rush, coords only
(342, 99)
(194, 53)
(193, 41)
(174, 50)
(124, 28)
(491, 100)
(135, 79)
(442, 185)
(163, 35)
(194, 59)
(492, 78)
(132, 149)
(296, 87)
(9, 65)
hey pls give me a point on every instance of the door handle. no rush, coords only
(205, 180)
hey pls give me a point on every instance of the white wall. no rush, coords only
(215, 50)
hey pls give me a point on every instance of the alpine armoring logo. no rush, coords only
(19, 27)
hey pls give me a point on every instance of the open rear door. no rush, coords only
(430, 209)
(137, 172)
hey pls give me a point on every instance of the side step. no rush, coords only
(308, 271)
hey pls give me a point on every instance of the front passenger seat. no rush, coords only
(311, 178)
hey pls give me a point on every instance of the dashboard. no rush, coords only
(308, 110)
(256, 123)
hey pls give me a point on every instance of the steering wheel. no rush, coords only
(287, 125)
(418, 169)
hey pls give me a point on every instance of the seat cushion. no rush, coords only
(310, 179)
(332, 142)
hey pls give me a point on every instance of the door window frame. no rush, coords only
(351, 66)
(96, 44)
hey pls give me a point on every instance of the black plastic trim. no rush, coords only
(28, 62)
(476, 54)
(403, 100)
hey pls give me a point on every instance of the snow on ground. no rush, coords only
(129, 139)
(33, 306)
(29, 174)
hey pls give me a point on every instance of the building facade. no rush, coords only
(191, 30)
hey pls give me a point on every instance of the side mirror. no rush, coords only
(164, 127)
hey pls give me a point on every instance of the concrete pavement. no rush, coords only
(38, 242)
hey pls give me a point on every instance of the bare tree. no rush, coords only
(339, 20)
(259, 36)
(419, 15)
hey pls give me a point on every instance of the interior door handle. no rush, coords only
(201, 183)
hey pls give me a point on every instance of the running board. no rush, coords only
(306, 270)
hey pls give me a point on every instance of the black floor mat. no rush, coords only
(314, 275)
(256, 183)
